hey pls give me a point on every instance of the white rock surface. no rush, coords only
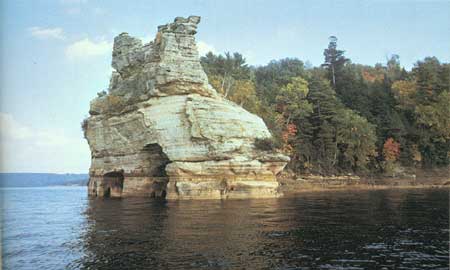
(167, 131)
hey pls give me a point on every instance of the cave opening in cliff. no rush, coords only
(113, 184)
(157, 159)
(157, 162)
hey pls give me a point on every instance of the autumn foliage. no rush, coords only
(342, 116)
(391, 150)
(286, 136)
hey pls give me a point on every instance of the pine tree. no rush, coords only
(325, 106)
(334, 60)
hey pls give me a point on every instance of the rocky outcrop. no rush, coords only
(163, 130)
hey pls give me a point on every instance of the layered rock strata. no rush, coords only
(162, 130)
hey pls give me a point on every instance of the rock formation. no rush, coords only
(163, 130)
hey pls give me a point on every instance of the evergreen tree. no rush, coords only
(325, 106)
(334, 60)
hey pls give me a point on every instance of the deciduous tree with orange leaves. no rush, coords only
(287, 135)
(391, 153)
(391, 150)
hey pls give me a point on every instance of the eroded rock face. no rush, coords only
(163, 130)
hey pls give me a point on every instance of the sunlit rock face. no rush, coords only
(163, 131)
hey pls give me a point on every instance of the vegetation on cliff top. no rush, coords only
(344, 117)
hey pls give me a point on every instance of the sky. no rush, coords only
(55, 55)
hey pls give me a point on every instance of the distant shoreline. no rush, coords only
(42, 179)
(43, 187)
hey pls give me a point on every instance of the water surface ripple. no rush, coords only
(60, 228)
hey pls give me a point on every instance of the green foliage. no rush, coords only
(325, 106)
(291, 100)
(431, 78)
(84, 126)
(267, 144)
(231, 76)
(269, 79)
(338, 117)
(436, 117)
(356, 140)
(334, 61)
(227, 70)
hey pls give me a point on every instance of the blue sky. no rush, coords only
(55, 55)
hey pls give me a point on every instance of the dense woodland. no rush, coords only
(344, 117)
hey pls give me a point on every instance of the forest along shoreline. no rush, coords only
(345, 118)
(291, 183)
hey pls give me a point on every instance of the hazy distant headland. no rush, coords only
(42, 179)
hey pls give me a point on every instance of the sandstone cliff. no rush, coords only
(163, 130)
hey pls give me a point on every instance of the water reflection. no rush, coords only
(122, 234)
(358, 230)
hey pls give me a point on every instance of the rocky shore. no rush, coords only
(292, 184)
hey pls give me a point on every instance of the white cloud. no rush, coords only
(10, 129)
(86, 48)
(47, 33)
(27, 149)
(204, 48)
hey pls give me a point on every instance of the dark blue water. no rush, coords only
(60, 228)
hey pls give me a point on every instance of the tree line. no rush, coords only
(343, 117)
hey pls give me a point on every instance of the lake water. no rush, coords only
(61, 228)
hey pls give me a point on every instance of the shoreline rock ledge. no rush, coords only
(161, 130)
